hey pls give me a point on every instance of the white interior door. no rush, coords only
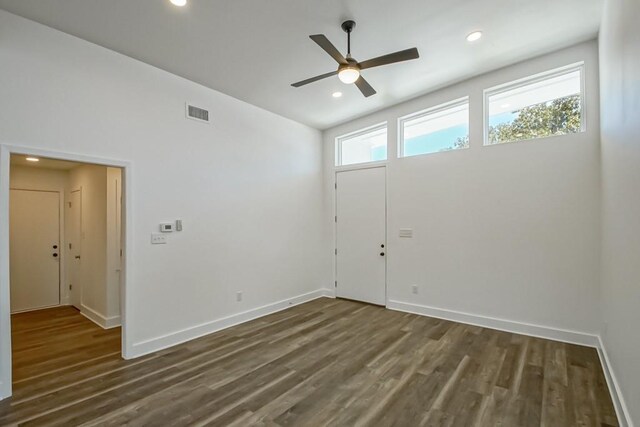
(361, 235)
(74, 244)
(35, 249)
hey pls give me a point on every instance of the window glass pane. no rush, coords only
(370, 146)
(545, 107)
(443, 129)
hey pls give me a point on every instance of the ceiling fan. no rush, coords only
(348, 68)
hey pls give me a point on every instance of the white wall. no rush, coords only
(32, 178)
(91, 180)
(508, 231)
(620, 112)
(247, 187)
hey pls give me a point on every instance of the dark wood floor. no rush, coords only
(327, 362)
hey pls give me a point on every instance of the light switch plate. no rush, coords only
(406, 232)
(158, 239)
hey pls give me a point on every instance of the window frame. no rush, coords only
(363, 131)
(535, 78)
(432, 110)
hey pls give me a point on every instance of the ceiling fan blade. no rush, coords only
(328, 47)
(403, 55)
(365, 87)
(314, 79)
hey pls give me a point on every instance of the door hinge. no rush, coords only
(336, 218)
(336, 284)
(70, 287)
(69, 204)
(70, 245)
(335, 185)
(336, 251)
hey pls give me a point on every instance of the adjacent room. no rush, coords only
(308, 213)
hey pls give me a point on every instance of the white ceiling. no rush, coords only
(254, 49)
(44, 163)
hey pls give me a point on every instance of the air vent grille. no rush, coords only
(197, 113)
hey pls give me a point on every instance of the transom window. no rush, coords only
(545, 105)
(364, 146)
(441, 128)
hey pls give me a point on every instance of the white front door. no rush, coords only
(35, 249)
(361, 235)
(74, 233)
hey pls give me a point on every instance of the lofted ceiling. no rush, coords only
(254, 49)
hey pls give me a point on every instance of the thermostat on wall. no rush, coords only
(166, 227)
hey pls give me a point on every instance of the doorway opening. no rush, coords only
(66, 265)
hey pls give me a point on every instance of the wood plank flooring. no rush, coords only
(326, 362)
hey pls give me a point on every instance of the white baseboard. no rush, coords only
(178, 337)
(556, 334)
(99, 319)
(622, 411)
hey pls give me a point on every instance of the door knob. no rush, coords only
(55, 255)
(77, 257)
(55, 246)
(382, 245)
(381, 253)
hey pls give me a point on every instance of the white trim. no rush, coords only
(181, 336)
(622, 410)
(99, 319)
(5, 309)
(6, 150)
(358, 166)
(539, 331)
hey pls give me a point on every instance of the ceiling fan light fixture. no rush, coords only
(349, 74)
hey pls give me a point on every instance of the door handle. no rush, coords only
(77, 256)
(55, 255)
(381, 253)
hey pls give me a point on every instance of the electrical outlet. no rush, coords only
(158, 239)
(238, 296)
(414, 289)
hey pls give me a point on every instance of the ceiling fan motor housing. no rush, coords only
(348, 26)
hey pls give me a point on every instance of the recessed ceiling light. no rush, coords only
(476, 35)
(336, 94)
(32, 159)
(179, 2)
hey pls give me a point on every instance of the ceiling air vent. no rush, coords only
(196, 113)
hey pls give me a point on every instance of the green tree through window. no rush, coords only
(558, 117)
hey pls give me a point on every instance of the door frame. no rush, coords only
(353, 168)
(6, 150)
(68, 276)
(61, 257)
